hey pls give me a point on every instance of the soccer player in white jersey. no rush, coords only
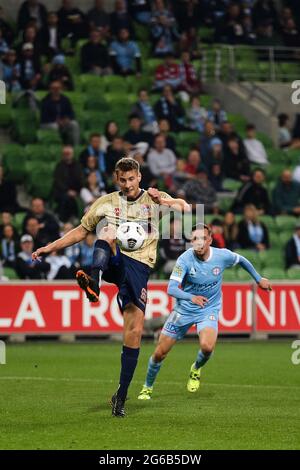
(198, 302)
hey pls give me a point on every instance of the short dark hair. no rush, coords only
(94, 134)
(127, 164)
(250, 127)
(200, 226)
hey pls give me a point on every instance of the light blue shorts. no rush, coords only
(177, 325)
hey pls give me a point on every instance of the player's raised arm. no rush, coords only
(261, 281)
(179, 205)
(74, 236)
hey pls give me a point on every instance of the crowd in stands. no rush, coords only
(33, 57)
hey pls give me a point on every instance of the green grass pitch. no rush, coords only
(54, 396)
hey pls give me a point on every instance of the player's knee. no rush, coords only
(207, 347)
(159, 354)
(135, 332)
(108, 234)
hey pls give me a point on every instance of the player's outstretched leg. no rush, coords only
(164, 346)
(103, 249)
(207, 338)
(133, 329)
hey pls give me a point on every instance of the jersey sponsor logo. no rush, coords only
(171, 328)
(117, 211)
(177, 271)
(216, 271)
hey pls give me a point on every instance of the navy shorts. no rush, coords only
(131, 277)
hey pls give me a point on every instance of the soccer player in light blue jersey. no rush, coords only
(199, 272)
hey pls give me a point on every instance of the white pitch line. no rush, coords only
(66, 379)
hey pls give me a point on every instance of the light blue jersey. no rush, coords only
(200, 278)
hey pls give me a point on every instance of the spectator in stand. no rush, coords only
(98, 18)
(60, 72)
(120, 19)
(92, 166)
(8, 194)
(253, 192)
(135, 134)
(68, 181)
(167, 107)
(194, 164)
(167, 73)
(217, 234)
(73, 251)
(48, 226)
(32, 227)
(217, 115)
(94, 149)
(72, 22)
(216, 177)
(110, 132)
(236, 163)
(11, 71)
(230, 230)
(197, 115)
(199, 190)
(292, 250)
(86, 253)
(163, 29)
(91, 191)
(32, 36)
(164, 129)
(4, 48)
(190, 41)
(60, 266)
(140, 10)
(7, 31)
(115, 152)
(216, 153)
(6, 218)
(206, 139)
(227, 131)
(51, 36)
(252, 233)
(188, 75)
(229, 29)
(161, 160)
(31, 9)
(284, 133)
(291, 36)
(125, 55)
(188, 14)
(255, 150)
(286, 195)
(25, 267)
(264, 11)
(144, 109)
(94, 55)
(30, 68)
(172, 246)
(9, 246)
(57, 113)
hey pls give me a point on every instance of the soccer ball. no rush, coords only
(131, 236)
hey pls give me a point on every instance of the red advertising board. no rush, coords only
(44, 308)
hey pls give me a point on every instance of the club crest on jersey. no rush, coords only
(212, 318)
(216, 271)
(145, 210)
